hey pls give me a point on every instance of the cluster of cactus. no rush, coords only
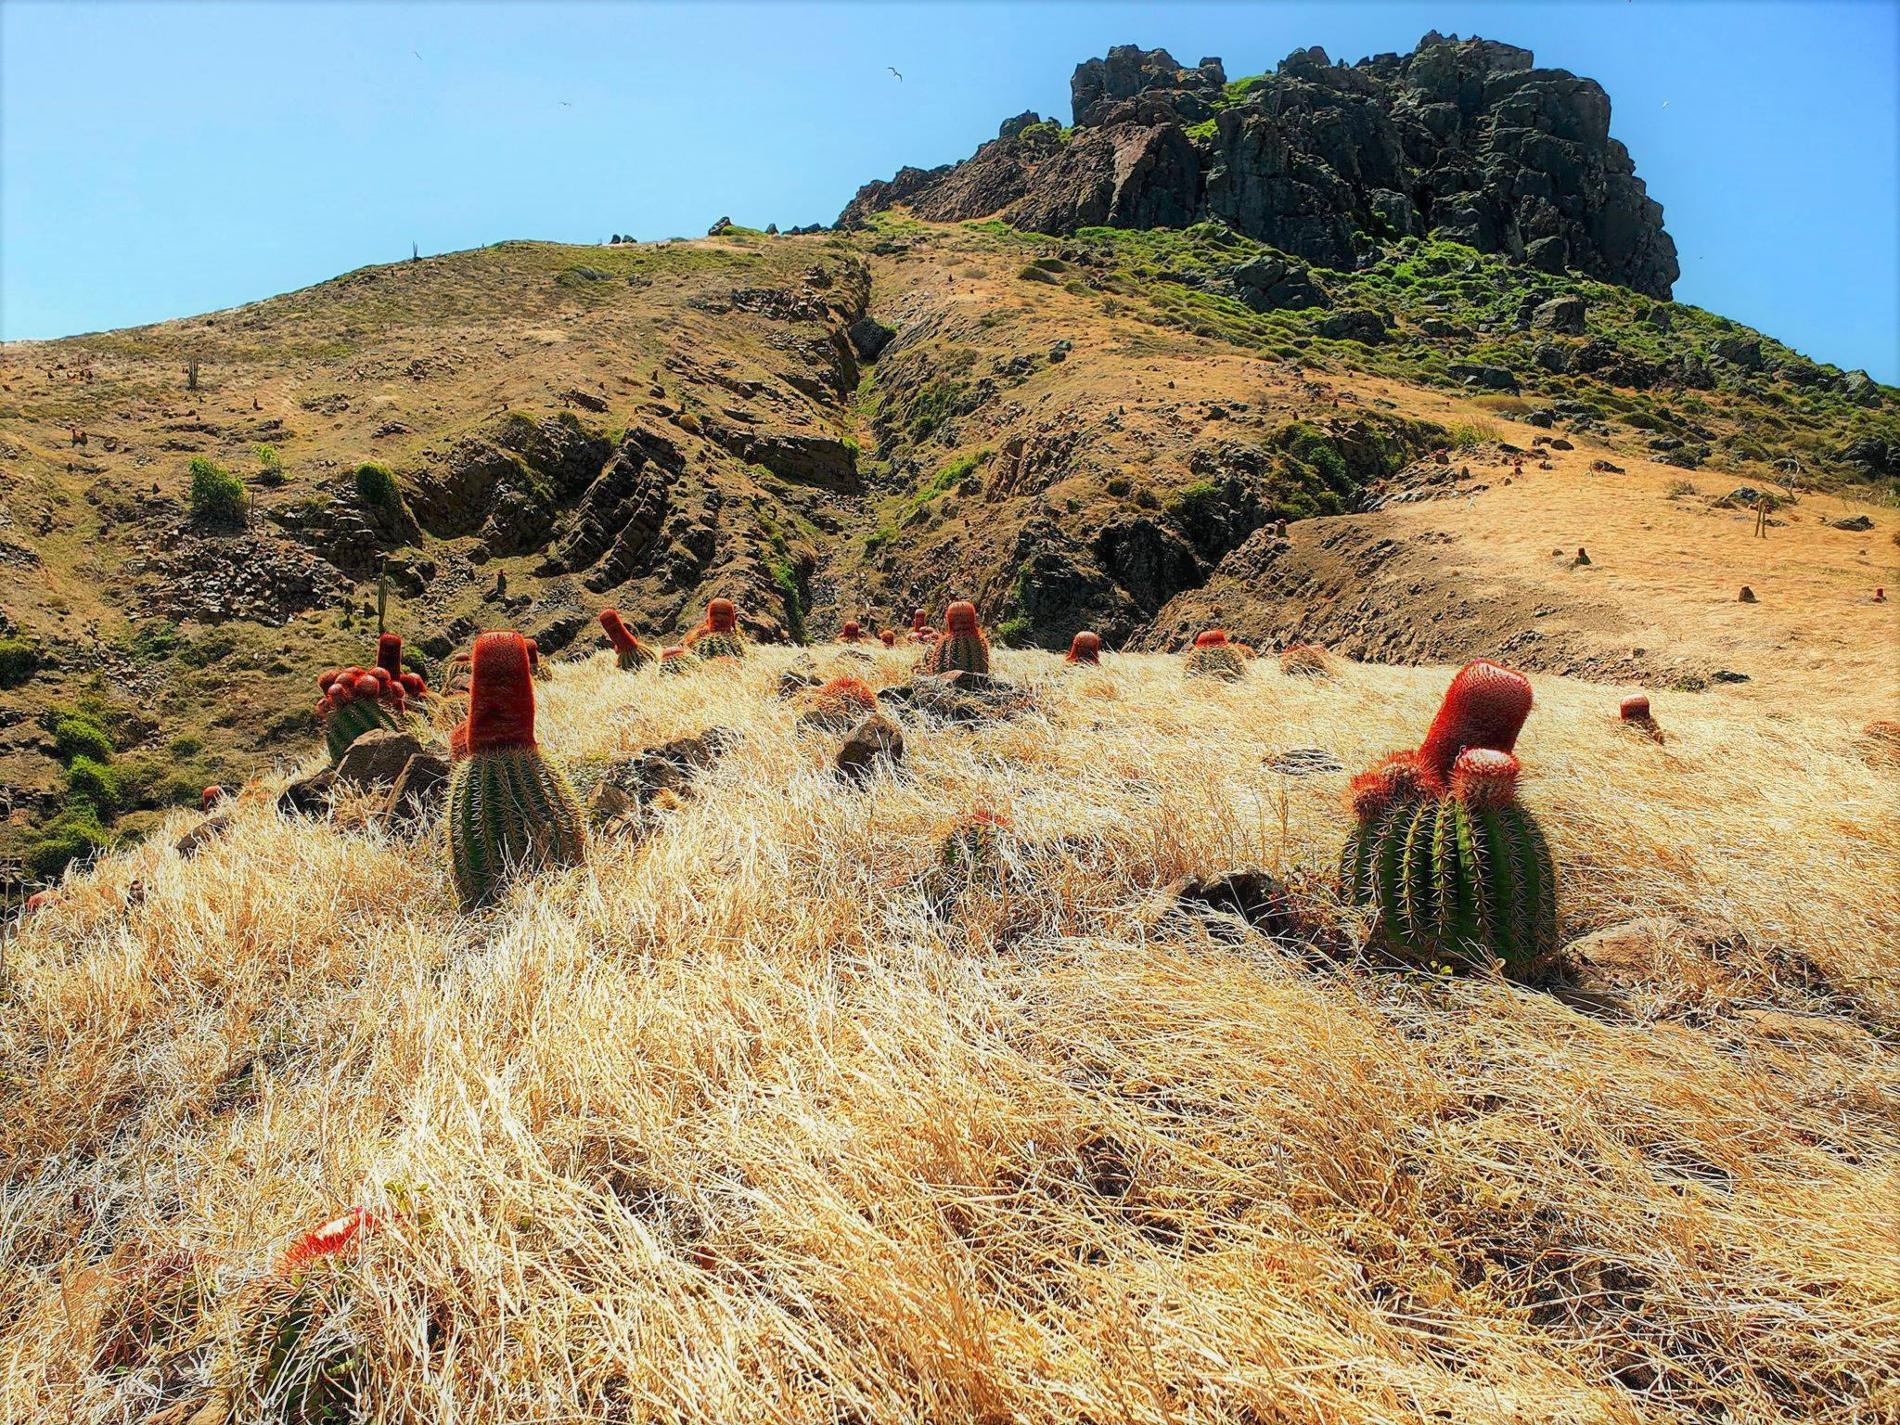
(1214, 657)
(1305, 660)
(360, 700)
(629, 651)
(963, 648)
(718, 636)
(509, 809)
(1085, 647)
(920, 629)
(1456, 868)
(1633, 712)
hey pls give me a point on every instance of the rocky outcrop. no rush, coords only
(1463, 139)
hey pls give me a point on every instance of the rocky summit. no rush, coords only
(1465, 140)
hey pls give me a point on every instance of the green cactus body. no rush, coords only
(351, 720)
(636, 657)
(959, 653)
(1464, 874)
(509, 810)
(1219, 660)
(716, 644)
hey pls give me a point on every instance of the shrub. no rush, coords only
(270, 465)
(376, 487)
(18, 661)
(217, 496)
(1013, 632)
(76, 735)
(97, 783)
(69, 836)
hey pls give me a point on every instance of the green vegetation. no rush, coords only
(217, 496)
(786, 577)
(77, 735)
(270, 465)
(376, 486)
(19, 659)
(97, 783)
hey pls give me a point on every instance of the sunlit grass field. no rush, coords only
(732, 1125)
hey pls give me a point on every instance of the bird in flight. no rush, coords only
(566, 105)
(900, 78)
(417, 53)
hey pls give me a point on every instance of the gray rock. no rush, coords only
(1560, 314)
(876, 742)
(377, 758)
(1353, 324)
(419, 788)
(203, 834)
(308, 796)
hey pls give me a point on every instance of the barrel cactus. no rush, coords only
(509, 809)
(1634, 714)
(852, 632)
(1305, 660)
(356, 701)
(718, 636)
(1440, 846)
(389, 659)
(629, 651)
(1214, 657)
(888, 637)
(963, 648)
(920, 629)
(1085, 647)
(674, 660)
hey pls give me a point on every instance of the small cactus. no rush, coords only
(509, 809)
(629, 651)
(888, 637)
(963, 648)
(1085, 647)
(1305, 660)
(1634, 714)
(718, 636)
(920, 629)
(539, 671)
(852, 632)
(1214, 657)
(840, 704)
(674, 660)
(211, 796)
(1441, 847)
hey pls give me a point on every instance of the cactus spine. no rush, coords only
(963, 648)
(1440, 846)
(629, 651)
(509, 809)
(718, 636)
(1214, 657)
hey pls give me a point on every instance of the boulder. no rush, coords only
(1560, 314)
(308, 796)
(203, 834)
(875, 742)
(1354, 324)
(377, 758)
(1252, 896)
(419, 788)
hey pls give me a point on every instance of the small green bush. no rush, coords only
(376, 487)
(217, 496)
(97, 783)
(18, 661)
(1013, 632)
(69, 836)
(75, 736)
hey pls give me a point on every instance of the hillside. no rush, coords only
(1075, 433)
(733, 1124)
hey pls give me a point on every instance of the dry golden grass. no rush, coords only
(726, 1126)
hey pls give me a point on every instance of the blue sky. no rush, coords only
(159, 160)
